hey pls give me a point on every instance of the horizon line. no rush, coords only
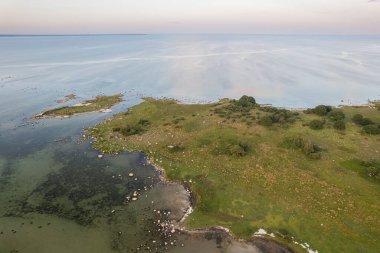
(200, 33)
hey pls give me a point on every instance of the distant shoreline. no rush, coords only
(71, 35)
(190, 34)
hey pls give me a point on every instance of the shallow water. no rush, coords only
(60, 197)
(57, 196)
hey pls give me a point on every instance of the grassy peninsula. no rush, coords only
(312, 175)
(93, 105)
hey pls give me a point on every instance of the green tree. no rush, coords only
(322, 110)
(246, 101)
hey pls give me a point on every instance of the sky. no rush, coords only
(190, 16)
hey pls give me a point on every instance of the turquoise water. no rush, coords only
(56, 195)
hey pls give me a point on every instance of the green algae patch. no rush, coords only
(247, 174)
(98, 104)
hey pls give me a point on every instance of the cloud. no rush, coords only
(373, 1)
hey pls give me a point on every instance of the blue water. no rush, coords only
(292, 71)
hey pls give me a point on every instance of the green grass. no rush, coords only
(248, 176)
(93, 105)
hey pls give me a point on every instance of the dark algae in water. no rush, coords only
(84, 190)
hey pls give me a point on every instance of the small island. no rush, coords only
(99, 104)
(301, 175)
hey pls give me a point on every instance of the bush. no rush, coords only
(138, 128)
(306, 145)
(144, 122)
(279, 115)
(246, 101)
(357, 119)
(336, 115)
(116, 129)
(266, 121)
(372, 169)
(240, 149)
(366, 122)
(225, 142)
(282, 116)
(371, 129)
(321, 110)
(340, 125)
(367, 169)
(360, 120)
(132, 130)
(316, 124)
(231, 148)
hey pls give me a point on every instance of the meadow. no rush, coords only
(310, 176)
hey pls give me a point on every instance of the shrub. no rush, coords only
(360, 120)
(244, 105)
(231, 148)
(240, 149)
(132, 130)
(357, 119)
(266, 121)
(316, 124)
(225, 142)
(279, 115)
(246, 101)
(116, 129)
(366, 122)
(336, 115)
(340, 125)
(306, 145)
(371, 129)
(282, 115)
(370, 170)
(144, 122)
(138, 128)
(321, 110)
(373, 171)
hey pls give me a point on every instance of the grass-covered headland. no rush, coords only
(94, 105)
(313, 175)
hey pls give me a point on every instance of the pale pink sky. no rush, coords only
(190, 16)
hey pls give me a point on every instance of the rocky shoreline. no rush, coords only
(222, 236)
